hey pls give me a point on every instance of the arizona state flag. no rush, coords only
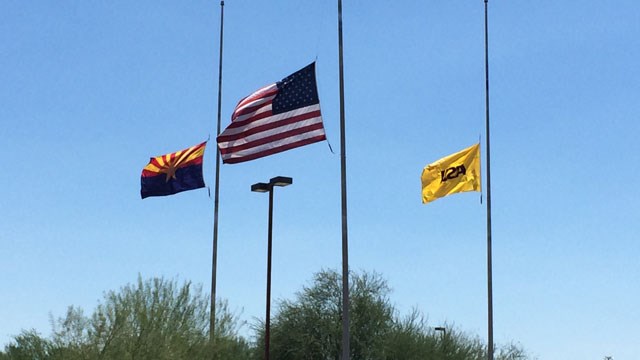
(452, 174)
(173, 173)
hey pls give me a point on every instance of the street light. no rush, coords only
(444, 335)
(264, 187)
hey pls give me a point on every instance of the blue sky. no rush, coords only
(91, 90)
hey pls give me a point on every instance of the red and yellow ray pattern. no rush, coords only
(169, 163)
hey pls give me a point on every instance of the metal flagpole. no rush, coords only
(343, 171)
(212, 322)
(489, 264)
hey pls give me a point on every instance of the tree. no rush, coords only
(310, 326)
(153, 319)
(159, 319)
(29, 345)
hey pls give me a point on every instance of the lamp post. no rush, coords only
(444, 335)
(268, 187)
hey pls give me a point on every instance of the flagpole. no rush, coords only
(489, 261)
(217, 193)
(343, 171)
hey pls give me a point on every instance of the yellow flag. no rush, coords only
(452, 174)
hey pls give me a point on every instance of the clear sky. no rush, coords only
(91, 89)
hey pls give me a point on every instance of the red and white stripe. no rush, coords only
(256, 132)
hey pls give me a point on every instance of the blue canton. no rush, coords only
(296, 91)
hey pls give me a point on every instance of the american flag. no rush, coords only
(275, 118)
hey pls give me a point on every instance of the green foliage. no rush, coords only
(310, 327)
(511, 352)
(228, 344)
(154, 319)
(29, 345)
(410, 338)
(161, 320)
